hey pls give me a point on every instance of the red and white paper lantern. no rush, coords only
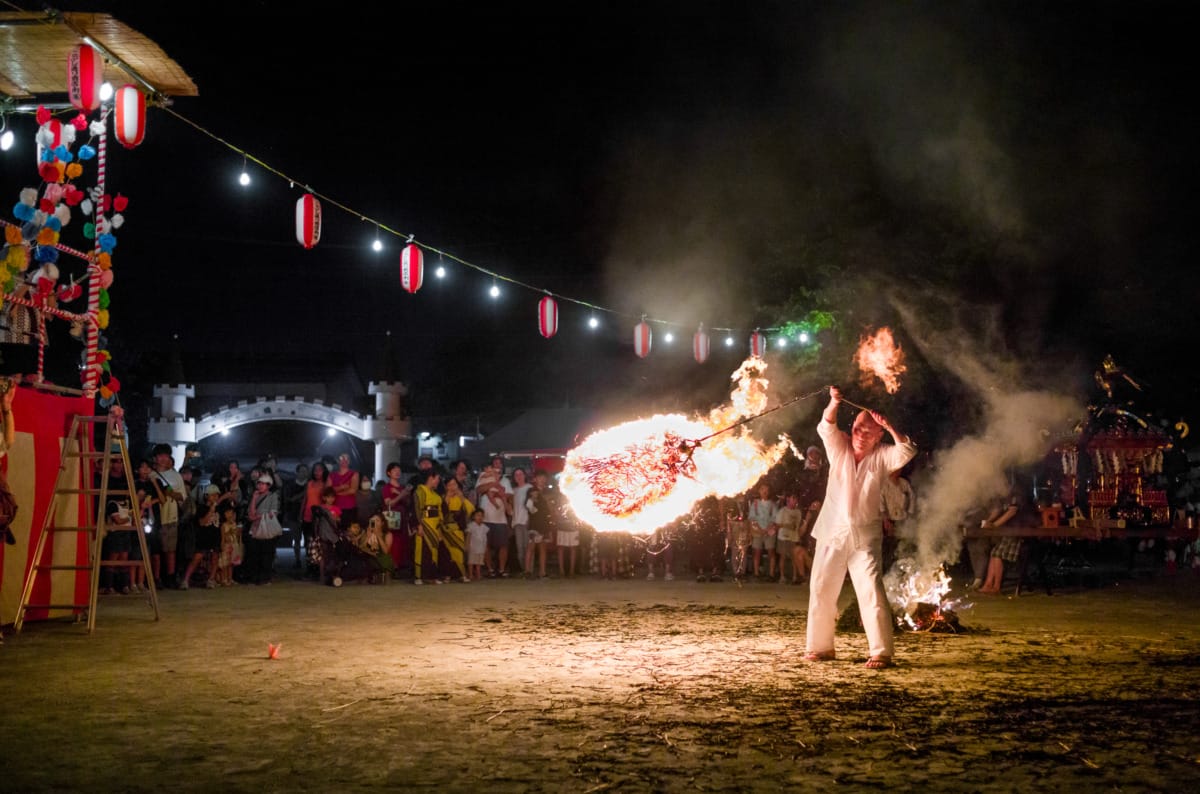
(129, 109)
(641, 339)
(308, 220)
(412, 267)
(85, 73)
(758, 344)
(700, 346)
(548, 317)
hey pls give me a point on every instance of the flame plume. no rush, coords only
(879, 355)
(641, 475)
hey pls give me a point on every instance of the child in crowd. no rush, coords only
(231, 545)
(328, 497)
(208, 538)
(791, 520)
(477, 536)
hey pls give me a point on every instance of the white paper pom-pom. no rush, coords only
(85, 206)
(117, 220)
(96, 127)
(67, 136)
(63, 213)
(29, 196)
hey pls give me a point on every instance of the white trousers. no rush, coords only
(833, 559)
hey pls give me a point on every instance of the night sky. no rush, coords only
(697, 162)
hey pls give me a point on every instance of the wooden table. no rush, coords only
(1087, 531)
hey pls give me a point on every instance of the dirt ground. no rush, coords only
(587, 685)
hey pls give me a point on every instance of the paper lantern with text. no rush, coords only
(700, 346)
(758, 344)
(412, 267)
(85, 73)
(641, 339)
(547, 317)
(308, 220)
(129, 112)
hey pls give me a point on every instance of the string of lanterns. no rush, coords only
(412, 267)
(85, 68)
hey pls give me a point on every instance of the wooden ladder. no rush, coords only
(90, 478)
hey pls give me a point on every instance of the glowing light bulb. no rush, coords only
(729, 341)
(440, 272)
(670, 337)
(106, 91)
(244, 179)
(803, 337)
(330, 432)
(494, 291)
(593, 322)
(6, 140)
(377, 245)
(781, 342)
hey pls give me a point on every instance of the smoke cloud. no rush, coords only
(1016, 428)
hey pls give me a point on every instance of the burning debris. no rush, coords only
(918, 598)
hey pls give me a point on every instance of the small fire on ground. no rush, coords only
(641, 475)
(918, 598)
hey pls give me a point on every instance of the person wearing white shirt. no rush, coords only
(849, 530)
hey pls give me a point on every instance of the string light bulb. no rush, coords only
(106, 91)
(669, 337)
(494, 291)
(593, 322)
(781, 342)
(377, 246)
(729, 341)
(803, 337)
(440, 272)
(244, 179)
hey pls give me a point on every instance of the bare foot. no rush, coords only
(878, 662)
(820, 656)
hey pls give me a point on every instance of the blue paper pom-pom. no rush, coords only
(54, 224)
(63, 153)
(45, 253)
(87, 152)
(23, 212)
(107, 242)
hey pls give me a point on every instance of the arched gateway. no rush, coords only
(387, 428)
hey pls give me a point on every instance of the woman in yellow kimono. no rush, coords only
(456, 512)
(428, 504)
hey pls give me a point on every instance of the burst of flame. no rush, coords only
(640, 475)
(879, 355)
